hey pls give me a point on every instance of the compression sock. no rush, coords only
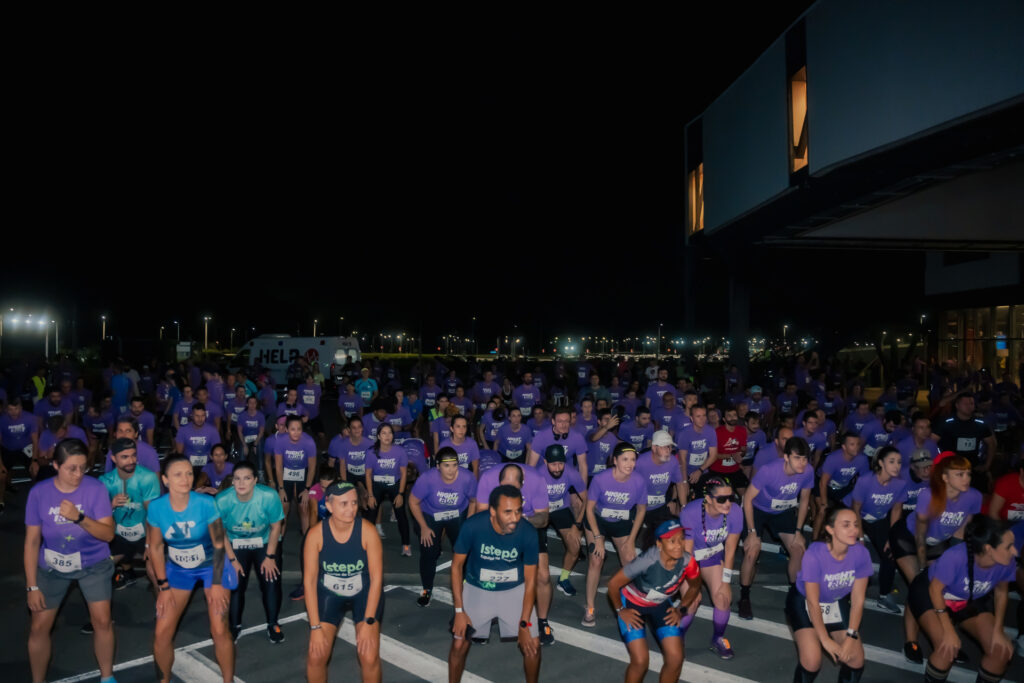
(987, 677)
(720, 620)
(685, 622)
(564, 575)
(802, 675)
(744, 592)
(933, 674)
(849, 675)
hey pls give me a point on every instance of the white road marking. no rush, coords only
(614, 649)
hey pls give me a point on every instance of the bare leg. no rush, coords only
(223, 643)
(369, 662)
(103, 636)
(796, 554)
(748, 570)
(39, 643)
(594, 566)
(544, 587)
(909, 568)
(163, 634)
(456, 658)
(672, 654)
(639, 660)
(316, 666)
(571, 540)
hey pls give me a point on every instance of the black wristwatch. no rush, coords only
(370, 621)
(524, 624)
(271, 556)
(853, 634)
(81, 518)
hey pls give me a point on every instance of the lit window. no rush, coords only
(695, 215)
(798, 117)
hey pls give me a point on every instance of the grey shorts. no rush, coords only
(93, 581)
(506, 606)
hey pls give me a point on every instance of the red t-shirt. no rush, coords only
(730, 445)
(1009, 488)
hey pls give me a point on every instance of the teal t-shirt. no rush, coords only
(248, 524)
(142, 487)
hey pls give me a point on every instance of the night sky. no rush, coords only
(524, 176)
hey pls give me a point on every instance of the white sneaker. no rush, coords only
(393, 518)
(380, 531)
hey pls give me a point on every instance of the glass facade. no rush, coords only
(991, 337)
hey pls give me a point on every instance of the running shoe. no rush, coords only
(380, 532)
(961, 658)
(744, 610)
(720, 646)
(406, 551)
(275, 634)
(566, 587)
(888, 603)
(546, 636)
(424, 599)
(119, 580)
(236, 632)
(589, 618)
(393, 518)
(298, 594)
(912, 651)
(86, 629)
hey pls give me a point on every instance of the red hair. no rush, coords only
(938, 486)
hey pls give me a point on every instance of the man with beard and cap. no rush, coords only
(664, 478)
(564, 484)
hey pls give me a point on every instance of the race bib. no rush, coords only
(63, 563)
(600, 468)
(556, 504)
(697, 459)
(495, 576)
(966, 444)
(445, 515)
(829, 612)
(251, 438)
(728, 462)
(294, 475)
(1014, 515)
(131, 533)
(27, 450)
(655, 596)
(187, 558)
(608, 513)
(247, 543)
(347, 587)
(309, 399)
(783, 504)
(705, 553)
(870, 518)
(183, 421)
(655, 500)
(386, 479)
(356, 470)
(198, 460)
(365, 395)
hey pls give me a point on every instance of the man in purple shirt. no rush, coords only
(639, 431)
(526, 395)
(19, 439)
(698, 445)
(147, 423)
(602, 442)
(561, 433)
(810, 433)
(669, 416)
(53, 404)
(214, 411)
(485, 390)
(657, 388)
(920, 438)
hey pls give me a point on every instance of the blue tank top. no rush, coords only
(343, 566)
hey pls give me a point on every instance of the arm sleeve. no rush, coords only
(692, 569)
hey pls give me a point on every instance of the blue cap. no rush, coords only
(668, 529)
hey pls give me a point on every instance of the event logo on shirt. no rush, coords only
(605, 447)
(714, 536)
(659, 478)
(840, 580)
(386, 463)
(951, 519)
(699, 444)
(514, 440)
(617, 497)
(847, 471)
(59, 518)
(180, 530)
(495, 554)
(16, 428)
(197, 440)
(980, 588)
(342, 568)
(449, 498)
(556, 490)
(788, 488)
(880, 499)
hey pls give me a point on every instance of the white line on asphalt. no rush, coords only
(444, 565)
(614, 649)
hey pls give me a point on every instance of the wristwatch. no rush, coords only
(271, 556)
(370, 621)
(29, 589)
(620, 609)
(458, 610)
(853, 634)
(81, 518)
(315, 627)
(525, 624)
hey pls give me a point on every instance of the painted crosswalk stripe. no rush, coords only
(614, 649)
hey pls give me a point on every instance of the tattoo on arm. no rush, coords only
(217, 536)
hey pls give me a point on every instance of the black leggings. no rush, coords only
(383, 492)
(878, 532)
(251, 559)
(429, 554)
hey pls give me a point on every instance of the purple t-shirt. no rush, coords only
(66, 546)
(907, 447)
(309, 397)
(235, 407)
(766, 455)
(512, 444)
(464, 404)
(296, 456)
(950, 519)
(442, 428)
(145, 455)
(215, 477)
(818, 441)
(855, 422)
(638, 436)
(535, 494)
(467, 450)
(843, 471)
(585, 425)
(350, 404)
(370, 425)
(574, 444)
(197, 442)
(538, 428)
(874, 437)
(778, 491)
(399, 419)
(15, 435)
(386, 466)
(951, 570)
(429, 394)
(697, 445)
(876, 499)
(655, 391)
(297, 409)
(761, 406)
(183, 411)
(756, 441)
(439, 500)
(352, 455)
(251, 425)
(598, 453)
(146, 422)
(709, 532)
(484, 391)
(614, 499)
(675, 420)
(525, 397)
(835, 578)
(630, 405)
(914, 489)
(48, 439)
(491, 426)
(658, 478)
(558, 489)
(45, 410)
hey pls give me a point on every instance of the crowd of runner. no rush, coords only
(189, 474)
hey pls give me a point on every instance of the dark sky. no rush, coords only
(528, 176)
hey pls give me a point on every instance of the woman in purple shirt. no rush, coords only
(825, 606)
(68, 524)
(386, 472)
(968, 586)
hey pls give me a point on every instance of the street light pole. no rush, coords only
(231, 338)
(206, 332)
(178, 325)
(103, 333)
(315, 321)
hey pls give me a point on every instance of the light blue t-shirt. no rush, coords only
(251, 519)
(142, 487)
(186, 533)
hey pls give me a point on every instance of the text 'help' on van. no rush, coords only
(278, 352)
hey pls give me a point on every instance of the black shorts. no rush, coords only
(542, 539)
(796, 612)
(902, 543)
(919, 601)
(13, 458)
(332, 607)
(120, 546)
(781, 523)
(562, 519)
(658, 515)
(293, 489)
(618, 528)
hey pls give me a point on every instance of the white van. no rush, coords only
(276, 352)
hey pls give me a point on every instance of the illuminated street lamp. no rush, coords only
(103, 322)
(206, 332)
